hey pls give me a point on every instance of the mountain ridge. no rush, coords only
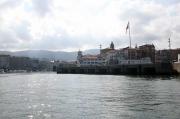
(49, 55)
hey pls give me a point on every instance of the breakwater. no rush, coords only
(140, 69)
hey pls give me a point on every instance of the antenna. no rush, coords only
(169, 40)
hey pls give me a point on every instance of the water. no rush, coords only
(58, 96)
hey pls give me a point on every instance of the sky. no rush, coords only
(70, 25)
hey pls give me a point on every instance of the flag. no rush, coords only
(127, 27)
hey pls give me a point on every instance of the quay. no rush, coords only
(142, 60)
(140, 69)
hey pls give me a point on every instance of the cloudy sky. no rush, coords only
(84, 24)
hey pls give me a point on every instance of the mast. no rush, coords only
(129, 36)
(128, 28)
(169, 41)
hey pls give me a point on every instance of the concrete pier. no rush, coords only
(139, 69)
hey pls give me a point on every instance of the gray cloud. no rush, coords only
(8, 40)
(77, 27)
(167, 2)
(22, 31)
(9, 4)
(14, 37)
(42, 7)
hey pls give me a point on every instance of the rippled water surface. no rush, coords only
(59, 96)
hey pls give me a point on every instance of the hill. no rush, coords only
(49, 55)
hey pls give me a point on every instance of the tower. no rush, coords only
(100, 48)
(112, 45)
(79, 55)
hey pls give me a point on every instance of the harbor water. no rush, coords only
(76, 96)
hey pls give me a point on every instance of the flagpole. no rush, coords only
(128, 28)
(129, 36)
(169, 40)
(129, 44)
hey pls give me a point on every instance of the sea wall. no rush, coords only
(140, 69)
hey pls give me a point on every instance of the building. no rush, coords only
(111, 57)
(144, 54)
(95, 60)
(4, 61)
(122, 57)
(110, 48)
(147, 50)
(89, 60)
(45, 65)
(174, 54)
(14, 63)
(35, 64)
(162, 56)
(176, 65)
(20, 63)
(167, 55)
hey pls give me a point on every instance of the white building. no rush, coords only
(111, 56)
(121, 57)
(89, 60)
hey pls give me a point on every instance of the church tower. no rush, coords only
(79, 57)
(112, 45)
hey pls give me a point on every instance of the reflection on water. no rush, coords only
(48, 95)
